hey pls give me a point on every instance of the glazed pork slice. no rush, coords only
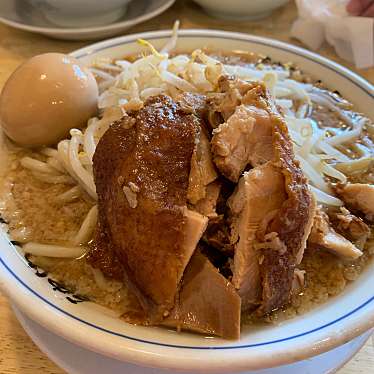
(258, 196)
(217, 235)
(195, 226)
(245, 137)
(141, 169)
(358, 196)
(280, 236)
(324, 236)
(350, 226)
(203, 171)
(207, 205)
(286, 235)
(207, 302)
(101, 256)
(193, 103)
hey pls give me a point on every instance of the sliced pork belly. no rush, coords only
(203, 171)
(141, 168)
(217, 235)
(324, 236)
(298, 282)
(258, 196)
(102, 256)
(352, 227)
(207, 205)
(207, 302)
(193, 103)
(291, 225)
(358, 196)
(281, 235)
(246, 135)
(194, 229)
(244, 139)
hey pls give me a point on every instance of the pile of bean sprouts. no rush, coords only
(126, 85)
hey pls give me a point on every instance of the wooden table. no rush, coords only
(17, 352)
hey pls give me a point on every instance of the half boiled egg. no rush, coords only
(45, 97)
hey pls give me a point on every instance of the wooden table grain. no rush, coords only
(18, 354)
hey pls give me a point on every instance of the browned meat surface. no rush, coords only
(246, 135)
(358, 196)
(195, 226)
(230, 96)
(193, 103)
(141, 168)
(207, 205)
(292, 224)
(207, 302)
(282, 237)
(352, 227)
(245, 138)
(324, 236)
(258, 196)
(101, 256)
(298, 282)
(217, 235)
(202, 171)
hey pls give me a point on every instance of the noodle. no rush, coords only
(88, 226)
(48, 250)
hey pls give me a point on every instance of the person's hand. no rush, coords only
(363, 8)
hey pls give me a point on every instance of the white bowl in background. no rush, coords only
(23, 15)
(240, 10)
(328, 326)
(81, 13)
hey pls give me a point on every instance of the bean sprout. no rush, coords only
(54, 179)
(70, 195)
(38, 166)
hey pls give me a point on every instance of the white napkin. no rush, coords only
(352, 37)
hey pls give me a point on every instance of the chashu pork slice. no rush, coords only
(246, 136)
(281, 237)
(141, 169)
(324, 236)
(358, 196)
(203, 171)
(288, 232)
(207, 205)
(352, 227)
(207, 302)
(258, 196)
(244, 139)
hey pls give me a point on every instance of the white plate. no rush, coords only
(22, 15)
(76, 360)
(326, 327)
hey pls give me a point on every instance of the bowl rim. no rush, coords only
(364, 316)
(86, 30)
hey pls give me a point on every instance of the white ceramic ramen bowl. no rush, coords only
(240, 10)
(329, 325)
